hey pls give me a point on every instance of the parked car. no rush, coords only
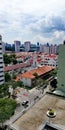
(25, 102)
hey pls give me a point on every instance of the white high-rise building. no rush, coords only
(27, 45)
(17, 46)
(1, 63)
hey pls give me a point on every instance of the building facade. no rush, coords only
(27, 46)
(17, 46)
(61, 69)
(1, 63)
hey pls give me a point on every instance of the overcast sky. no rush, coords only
(33, 20)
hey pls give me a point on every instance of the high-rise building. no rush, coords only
(61, 69)
(1, 63)
(27, 45)
(46, 49)
(41, 48)
(17, 46)
(3, 47)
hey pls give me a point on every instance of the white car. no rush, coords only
(25, 102)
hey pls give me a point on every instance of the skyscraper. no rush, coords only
(1, 63)
(17, 46)
(27, 46)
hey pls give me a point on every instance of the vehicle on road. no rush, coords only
(25, 103)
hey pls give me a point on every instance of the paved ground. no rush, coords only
(33, 118)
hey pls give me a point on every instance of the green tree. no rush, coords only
(54, 72)
(14, 61)
(13, 58)
(10, 59)
(4, 90)
(7, 107)
(16, 84)
(7, 59)
(35, 74)
(39, 82)
(13, 76)
(7, 77)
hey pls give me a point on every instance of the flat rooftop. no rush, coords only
(36, 115)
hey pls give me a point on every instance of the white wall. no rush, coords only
(26, 82)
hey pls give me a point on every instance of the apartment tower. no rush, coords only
(1, 63)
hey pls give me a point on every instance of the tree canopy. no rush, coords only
(9, 59)
(7, 77)
(7, 107)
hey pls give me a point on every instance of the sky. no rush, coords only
(32, 20)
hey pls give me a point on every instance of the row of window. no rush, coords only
(1, 71)
(1, 80)
(1, 62)
(1, 67)
(1, 76)
(0, 57)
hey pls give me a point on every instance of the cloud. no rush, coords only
(49, 24)
(42, 20)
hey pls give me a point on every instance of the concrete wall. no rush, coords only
(61, 68)
(26, 82)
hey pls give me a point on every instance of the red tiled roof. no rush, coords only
(13, 67)
(54, 56)
(40, 71)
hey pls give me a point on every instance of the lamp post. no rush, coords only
(51, 113)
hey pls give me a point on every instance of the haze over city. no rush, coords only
(34, 20)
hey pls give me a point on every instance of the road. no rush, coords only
(33, 96)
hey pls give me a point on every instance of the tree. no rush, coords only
(4, 90)
(7, 107)
(13, 76)
(16, 84)
(7, 77)
(13, 58)
(53, 84)
(35, 74)
(7, 59)
(54, 72)
(14, 61)
(20, 83)
(40, 82)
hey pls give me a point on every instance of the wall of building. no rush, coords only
(61, 68)
(1, 63)
(26, 82)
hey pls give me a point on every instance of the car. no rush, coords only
(25, 102)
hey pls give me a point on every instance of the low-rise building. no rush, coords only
(29, 78)
(17, 68)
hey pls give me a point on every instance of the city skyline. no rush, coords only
(36, 21)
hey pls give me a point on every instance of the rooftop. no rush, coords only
(36, 115)
(16, 66)
(40, 71)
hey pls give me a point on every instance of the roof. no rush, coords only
(36, 115)
(40, 71)
(16, 66)
(54, 56)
